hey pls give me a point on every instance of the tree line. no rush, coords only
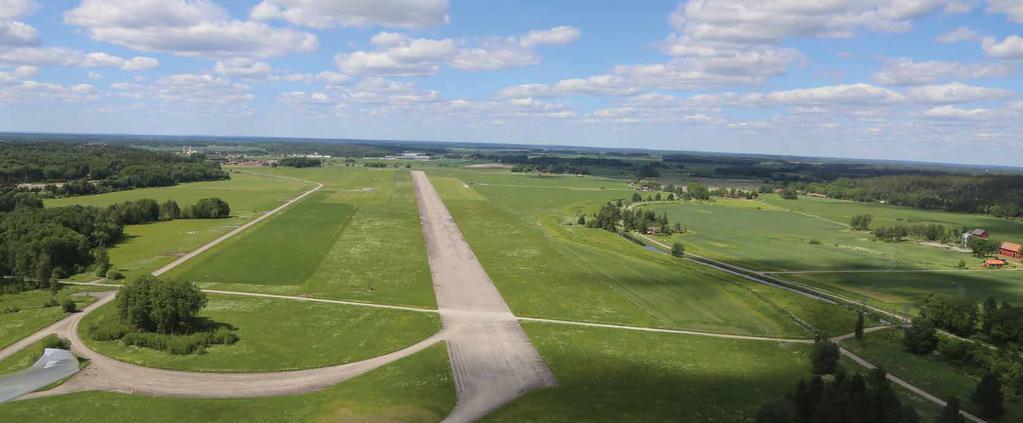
(80, 169)
(300, 162)
(39, 245)
(998, 195)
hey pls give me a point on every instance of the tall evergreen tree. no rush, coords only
(859, 326)
(989, 396)
(950, 414)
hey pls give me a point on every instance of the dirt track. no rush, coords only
(492, 360)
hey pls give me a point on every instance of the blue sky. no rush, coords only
(931, 80)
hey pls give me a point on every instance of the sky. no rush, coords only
(926, 80)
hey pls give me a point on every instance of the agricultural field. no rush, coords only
(277, 335)
(32, 313)
(417, 389)
(764, 237)
(285, 250)
(902, 290)
(884, 348)
(885, 215)
(149, 246)
(356, 239)
(821, 251)
(522, 229)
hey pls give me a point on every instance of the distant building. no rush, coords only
(994, 263)
(408, 155)
(979, 233)
(651, 229)
(816, 194)
(1012, 250)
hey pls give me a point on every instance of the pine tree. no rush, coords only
(859, 326)
(989, 396)
(950, 414)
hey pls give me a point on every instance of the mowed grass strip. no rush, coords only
(546, 268)
(280, 335)
(416, 389)
(284, 250)
(380, 256)
(606, 375)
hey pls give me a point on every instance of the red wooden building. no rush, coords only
(1011, 249)
(994, 263)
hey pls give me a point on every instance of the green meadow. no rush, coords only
(417, 389)
(903, 289)
(25, 313)
(149, 246)
(285, 250)
(356, 239)
(521, 227)
(762, 236)
(885, 215)
(607, 375)
(277, 335)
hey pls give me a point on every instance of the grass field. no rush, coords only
(884, 348)
(149, 246)
(760, 235)
(606, 375)
(376, 255)
(417, 389)
(286, 250)
(518, 227)
(902, 290)
(282, 335)
(32, 314)
(885, 215)
(764, 237)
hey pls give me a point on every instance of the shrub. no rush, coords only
(815, 242)
(52, 302)
(678, 250)
(10, 310)
(54, 341)
(69, 306)
(825, 357)
(107, 330)
(115, 275)
(920, 338)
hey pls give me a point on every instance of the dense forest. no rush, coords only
(76, 169)
(999, 195)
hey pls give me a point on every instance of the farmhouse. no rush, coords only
(1011, 249)
(994, 263)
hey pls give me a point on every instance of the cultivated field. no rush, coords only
(149, 246)
(357, 239)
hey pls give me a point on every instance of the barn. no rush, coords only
(1012, 250)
